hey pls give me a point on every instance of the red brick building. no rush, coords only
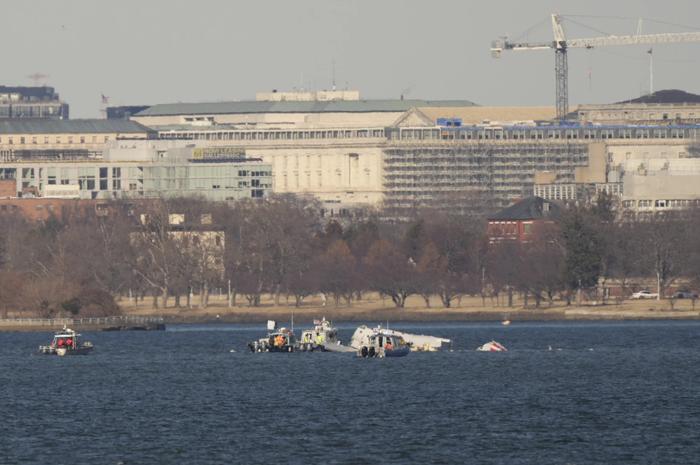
(520, 221)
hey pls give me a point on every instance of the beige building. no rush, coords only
(640, 113)
(286, 114)
(63, 139)
(405, 153)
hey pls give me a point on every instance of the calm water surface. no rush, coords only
(606, 393)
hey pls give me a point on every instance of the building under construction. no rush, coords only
(472, 176)
(472, 168)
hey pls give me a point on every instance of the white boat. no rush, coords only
(323, 336)
(66, 342)
(277, 340)
(381, 344)
(416, 342)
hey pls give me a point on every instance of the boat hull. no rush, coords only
(64, 352)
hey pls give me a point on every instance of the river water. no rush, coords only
(606, 393)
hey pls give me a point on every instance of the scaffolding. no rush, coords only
(462, 176)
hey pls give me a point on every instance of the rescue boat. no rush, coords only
(66, 342)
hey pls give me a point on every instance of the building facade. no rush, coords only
(133, 169)
(64, 139)
(31, 102)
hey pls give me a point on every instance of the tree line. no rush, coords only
(175, 251)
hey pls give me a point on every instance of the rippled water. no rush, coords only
(606, 393)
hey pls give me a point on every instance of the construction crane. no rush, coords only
(561, 44)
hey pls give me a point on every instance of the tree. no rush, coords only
(663, 247)
(584, 248)
(504, 265)
(337, 272)
(542, 265)
(390, 272)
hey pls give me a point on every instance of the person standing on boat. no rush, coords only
(319, 339)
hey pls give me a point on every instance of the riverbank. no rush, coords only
(373, 308)
(370, 309)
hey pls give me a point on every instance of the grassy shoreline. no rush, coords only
(373, 309)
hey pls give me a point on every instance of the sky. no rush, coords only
(160, 51)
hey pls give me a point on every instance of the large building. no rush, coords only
(31, 102)
(334, 149)
(132, 169)
(404, 155)
(64, 139)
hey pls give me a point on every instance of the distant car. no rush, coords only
(645, 295)
(685, 295)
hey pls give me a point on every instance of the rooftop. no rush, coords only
(74, 126)
(33, 93)
(358, 106)
(531, 208)
(667, 96)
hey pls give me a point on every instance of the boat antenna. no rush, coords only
(292, 321)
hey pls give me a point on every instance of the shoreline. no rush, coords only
(360, 315)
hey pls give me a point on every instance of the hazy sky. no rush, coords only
(156, 51)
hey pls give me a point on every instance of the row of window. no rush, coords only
(274, 134)
(54, 140)
(661, 203)
(517, 133)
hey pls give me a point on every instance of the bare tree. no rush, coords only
(390, 272)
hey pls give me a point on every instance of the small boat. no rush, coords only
(67, 342)
(380, 345)
(505, 322)
(416, 342)
(492, 346)
(282, 340)
(324, 337)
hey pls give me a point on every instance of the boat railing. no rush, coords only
(87, 321)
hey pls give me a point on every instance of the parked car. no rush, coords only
(645, 295)
(684, 295)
